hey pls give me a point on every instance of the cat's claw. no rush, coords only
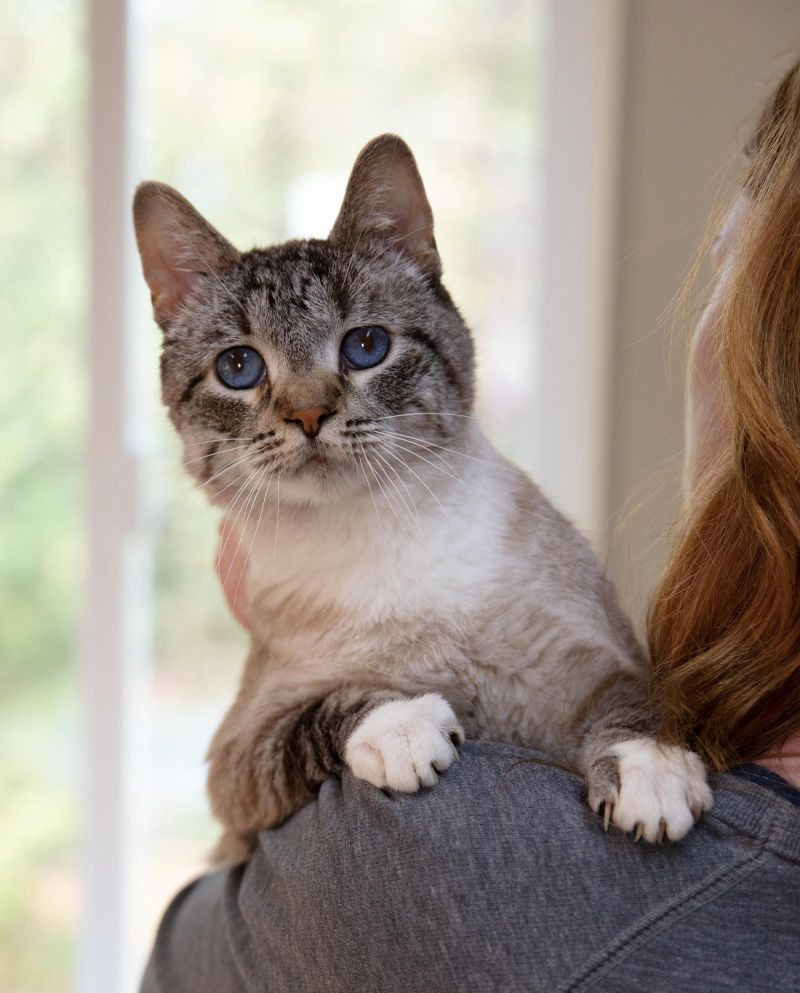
(405, 744)
(655, 792)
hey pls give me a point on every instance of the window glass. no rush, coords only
(256, 111)
(43, 290)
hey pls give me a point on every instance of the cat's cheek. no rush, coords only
(404, 745)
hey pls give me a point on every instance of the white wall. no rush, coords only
(695, 72)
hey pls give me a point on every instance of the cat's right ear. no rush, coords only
(178, 247)
(385, 206)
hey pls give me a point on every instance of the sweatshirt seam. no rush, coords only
(768, 793)
(638, 934)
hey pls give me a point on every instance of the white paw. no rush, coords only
(405, 744)
(663, 789)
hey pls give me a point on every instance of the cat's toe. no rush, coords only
(662, 790)
(602, 784)
(366, 762)
(405, 744)
(605, 809)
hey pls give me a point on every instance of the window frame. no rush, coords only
(113, 569)
(583, 122)
(583, 111)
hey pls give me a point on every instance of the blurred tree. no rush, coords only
(42, 301)
(242, 106)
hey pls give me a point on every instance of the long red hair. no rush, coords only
(724, 624)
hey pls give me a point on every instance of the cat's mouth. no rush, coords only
(318, 473)
(316, 463)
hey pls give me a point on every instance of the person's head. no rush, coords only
(724, 624)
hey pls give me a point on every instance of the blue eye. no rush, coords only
(240, 368)
(363, 348)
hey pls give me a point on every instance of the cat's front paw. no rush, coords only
(651, 789)
(405, 744)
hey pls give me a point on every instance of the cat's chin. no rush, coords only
(319, 481)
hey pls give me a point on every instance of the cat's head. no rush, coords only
(327, 363)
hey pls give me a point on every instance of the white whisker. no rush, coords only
(277, 520)
(425, 413)
(384, 468)
(230, 465)
(255, 532)
(385, 495)
(247, 509)
(416, 454)
(369, 486)
(455, 451)
(212, 455)
(243, 491)
(389, 452)
(426, 447)
(211, 441)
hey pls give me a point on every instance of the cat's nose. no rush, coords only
(310, 419)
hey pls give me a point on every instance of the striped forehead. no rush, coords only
(293, 299)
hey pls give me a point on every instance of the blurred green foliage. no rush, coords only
(233, 104)
(43, 282)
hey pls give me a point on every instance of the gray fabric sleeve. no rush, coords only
(498, 879)
(192, 950)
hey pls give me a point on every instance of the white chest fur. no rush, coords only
(378, 556)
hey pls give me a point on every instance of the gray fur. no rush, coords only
(521, 632)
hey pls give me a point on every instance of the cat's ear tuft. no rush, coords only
(178, 247)
(385, 206)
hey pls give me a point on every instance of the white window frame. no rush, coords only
(111, 492)
(581, 167)
(583, 119)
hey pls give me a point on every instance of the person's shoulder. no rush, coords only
(498, 878)
(492, 785)
(515, 815)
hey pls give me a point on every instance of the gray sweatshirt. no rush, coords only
(497, 879)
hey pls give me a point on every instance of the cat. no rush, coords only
(407, 585)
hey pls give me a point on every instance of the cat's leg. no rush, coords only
(636, 782)
(264, 766)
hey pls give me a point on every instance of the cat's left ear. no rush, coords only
(385, 206)
(178, 247)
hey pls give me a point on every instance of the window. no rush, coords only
(259, 130)
(43, 268)
(255, 110)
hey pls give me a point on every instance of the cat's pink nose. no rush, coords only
(310, 419)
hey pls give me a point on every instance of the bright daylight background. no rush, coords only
(572, 150)
(255, 111)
